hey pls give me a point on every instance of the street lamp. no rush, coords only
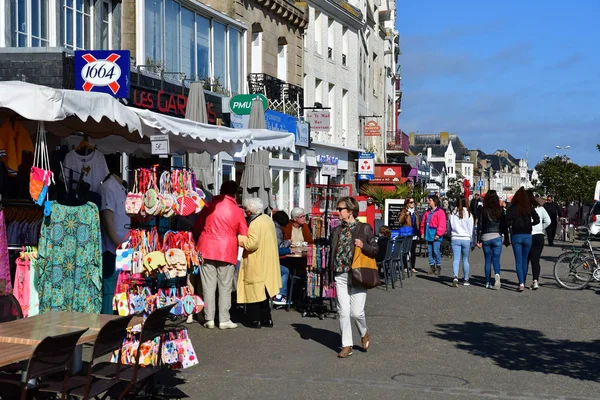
(565, 148)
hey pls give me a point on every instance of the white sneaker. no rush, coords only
(455, 282)
(209, 324)
(190, 319)
(488, 285)
(466, 283)
(227, 325)
(497, 282)
(535, 285)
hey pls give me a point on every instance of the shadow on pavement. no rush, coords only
(327, 338)
(520, 349)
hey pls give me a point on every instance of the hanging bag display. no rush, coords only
(133, 202)
(124, 256)
(40, 176)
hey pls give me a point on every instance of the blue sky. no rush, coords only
(515, 75)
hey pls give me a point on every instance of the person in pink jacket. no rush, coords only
(217, 229)
(433, 227)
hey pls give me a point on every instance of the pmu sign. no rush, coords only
(104, 71)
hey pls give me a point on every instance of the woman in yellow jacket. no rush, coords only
(259, 278)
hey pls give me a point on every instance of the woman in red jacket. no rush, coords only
(218, 226)
(433, 227)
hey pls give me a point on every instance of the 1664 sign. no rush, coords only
(103, 71)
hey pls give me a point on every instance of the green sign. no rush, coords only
(242, 103)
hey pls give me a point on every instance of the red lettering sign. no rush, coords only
(168, 103)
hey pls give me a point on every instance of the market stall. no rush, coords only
(57, 251)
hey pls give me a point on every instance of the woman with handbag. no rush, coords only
(352, 244)
(433, 228)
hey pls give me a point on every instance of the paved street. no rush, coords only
(429, 341)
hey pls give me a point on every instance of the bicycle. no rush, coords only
(575, 268)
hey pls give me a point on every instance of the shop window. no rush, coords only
(30, 23)
(77, 24)
(188, 59)
(153, 33)
(105, 26)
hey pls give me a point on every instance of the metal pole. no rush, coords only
(326, 204)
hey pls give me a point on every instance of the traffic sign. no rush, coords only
(480, 184)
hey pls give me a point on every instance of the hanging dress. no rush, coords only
(5, 284)
(70, 260)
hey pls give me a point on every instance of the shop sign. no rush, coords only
(329, 169)
(388, 173)
(327, 159)
(393, 207)
(372, 128)
(318, 120)
(366, 166)
(280, 122)
(160, 145)
(302, 134)
(104, 71)
(242, 103)
(168, 103)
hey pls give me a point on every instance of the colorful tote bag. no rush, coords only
(40, 176)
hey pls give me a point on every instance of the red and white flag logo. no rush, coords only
(101, 72)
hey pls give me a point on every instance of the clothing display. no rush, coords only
(92, 166)
(5, 282)
(70, 260)
(14, 140)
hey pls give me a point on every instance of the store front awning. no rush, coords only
(99, 116)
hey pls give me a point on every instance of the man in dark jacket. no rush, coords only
(553, 211)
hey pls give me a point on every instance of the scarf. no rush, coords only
(345, 249)
(411, 210)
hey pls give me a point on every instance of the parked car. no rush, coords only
(593, 220)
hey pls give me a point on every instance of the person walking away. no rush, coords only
(259, 275)
(461, 224)
(553, 211)
(409, 219)
(491, 231)
(280, 219)
(217, 228)
(537, 239)
(520, 218)
(433, 227)
(350, 299)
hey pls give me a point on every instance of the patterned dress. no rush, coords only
(5, 283)
(70, 260)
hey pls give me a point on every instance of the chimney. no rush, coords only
(444, 138)
(411, 139)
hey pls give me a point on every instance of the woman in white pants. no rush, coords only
(350, 298)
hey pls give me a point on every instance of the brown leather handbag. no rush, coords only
(364, 270)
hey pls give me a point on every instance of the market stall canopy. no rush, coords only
(68, 111)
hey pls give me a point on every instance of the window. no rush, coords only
(297, 183)
(77, 24)
(282, 62)
(219, 53)
(318, 32)
(360, 73)
(203, 46)
(256, 52)
(345, 45)
(318, 91)
(330, 37)
(345, 116)
(188, 58)
(331, 104)
(30, 22)
(275, 187)
(234, 61)
(153, 34)
(172, 43)
(105, 26)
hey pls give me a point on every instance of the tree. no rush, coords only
(565, 180)
(380, 193)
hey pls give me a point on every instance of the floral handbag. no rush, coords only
(134, 200)
(186, 352)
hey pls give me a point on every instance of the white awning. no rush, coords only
(99, 115)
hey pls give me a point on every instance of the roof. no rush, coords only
(438, 166)
(424, 141)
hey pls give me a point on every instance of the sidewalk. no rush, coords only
(429, 341)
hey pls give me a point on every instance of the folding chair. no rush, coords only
(133, 375)
(406, 246)
(10, 309)
(395, 263)
(53, 355)
(384, 265)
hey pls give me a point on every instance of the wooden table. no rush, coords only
(25, 334)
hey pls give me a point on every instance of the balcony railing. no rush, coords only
(398, 141)
(284, 97)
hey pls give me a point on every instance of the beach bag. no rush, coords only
(186, 352)
(40, 176)
(124, 257)
(134, 200)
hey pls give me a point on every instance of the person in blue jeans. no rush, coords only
(491, 230)
(433, 227)
(520, 217)
(461, 225)
(280, 219)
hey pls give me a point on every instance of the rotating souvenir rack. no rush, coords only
(164, 194)
(318, 287)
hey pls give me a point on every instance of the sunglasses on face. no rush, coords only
(339, 209)
(411, 202)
